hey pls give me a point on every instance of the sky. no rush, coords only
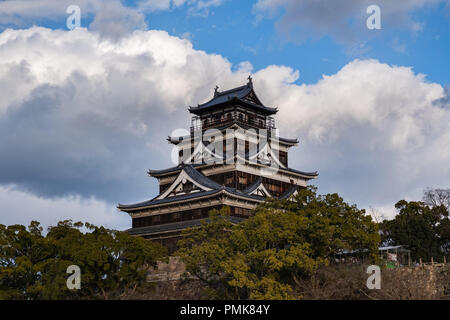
(84, 113)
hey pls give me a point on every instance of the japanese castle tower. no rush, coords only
(232, 157)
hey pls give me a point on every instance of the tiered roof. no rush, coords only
(190, 189)
(175, 226)
(244, 95)
(177, 169)
(285, 141)
(207, 188)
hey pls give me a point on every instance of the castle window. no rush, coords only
(241, 212)
(283, 158)
(156, 220)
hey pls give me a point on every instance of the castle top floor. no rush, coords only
(240, 105)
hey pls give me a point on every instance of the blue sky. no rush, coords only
(79, 105)
(234, 31)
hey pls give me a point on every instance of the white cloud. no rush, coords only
(114, 21)
(20, 207)
(374, 131)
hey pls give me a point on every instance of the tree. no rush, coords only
(22, 253)
(112, 263)
(440, 200)
(261, 257)
(437, 197)
(420, 227)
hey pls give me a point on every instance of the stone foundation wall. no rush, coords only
(426, 282)
(171, 271)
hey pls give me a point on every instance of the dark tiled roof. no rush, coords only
(162, 171)
(308, 174)
(294, 141)
(170, 170)
(174, 226)
(243, 194)
(289, 192)
(253, 186)
(201, 179)
(236, 124)
(207, 182)
(182, 197)
(179, 167)
(237, 94)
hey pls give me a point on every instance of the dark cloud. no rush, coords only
(51, 150)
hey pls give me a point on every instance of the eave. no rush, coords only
(199, 110)
(174, 201)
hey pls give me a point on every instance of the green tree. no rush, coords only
(112, 263)
(422, 228)
(440, 198)
(22, 253)
(261, 257)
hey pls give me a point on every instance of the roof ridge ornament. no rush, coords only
(216, 91)
(250, 82)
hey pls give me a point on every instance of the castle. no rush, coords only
(232, 157)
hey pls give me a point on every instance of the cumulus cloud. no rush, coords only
(444, 102)
(344, 19)
(83, 116)
(372, 130)
(114, 21)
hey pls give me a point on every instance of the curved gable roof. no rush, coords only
(244, 95)
(211, 188)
